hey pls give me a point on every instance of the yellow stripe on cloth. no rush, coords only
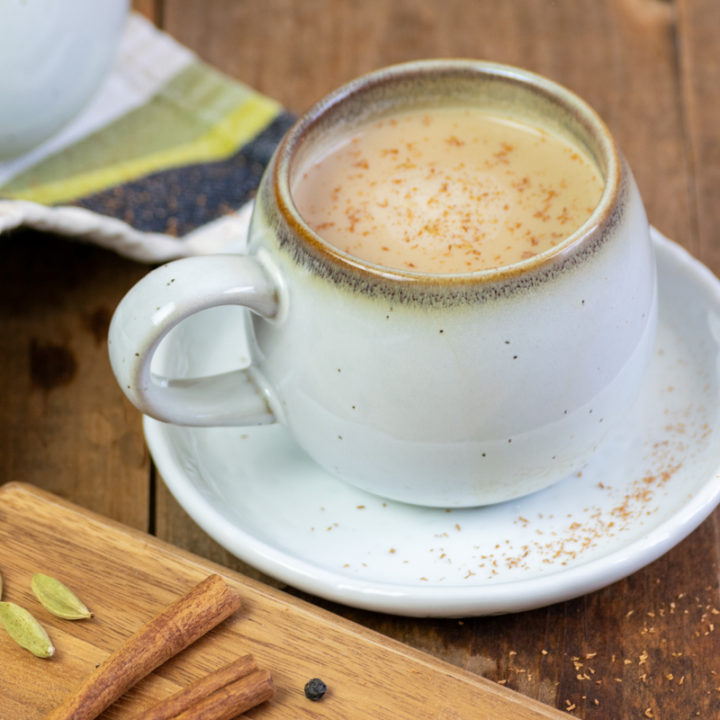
(219, 142)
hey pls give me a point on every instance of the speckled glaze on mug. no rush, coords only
(434, 389)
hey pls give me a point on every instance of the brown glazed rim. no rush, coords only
(322, 250)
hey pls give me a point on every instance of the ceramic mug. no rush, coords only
(448, 390)
(54, 57)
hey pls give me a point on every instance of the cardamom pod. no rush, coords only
(58, 599)
(0, 586)
(25, 630)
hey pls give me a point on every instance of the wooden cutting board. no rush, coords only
(125, 577)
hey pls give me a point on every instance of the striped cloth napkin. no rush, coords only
(162, 163)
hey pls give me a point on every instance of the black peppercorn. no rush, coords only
(315, 689)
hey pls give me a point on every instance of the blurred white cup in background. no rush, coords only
(54, 55)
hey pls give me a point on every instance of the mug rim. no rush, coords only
(572, 103)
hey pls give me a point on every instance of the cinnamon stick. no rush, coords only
(191, 694)
(176, 627)
(232, 700)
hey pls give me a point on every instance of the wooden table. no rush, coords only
(646, 647)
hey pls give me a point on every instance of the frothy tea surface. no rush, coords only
(451, 190)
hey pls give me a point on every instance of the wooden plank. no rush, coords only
(127, 577)
(65, 422)
(699, 40)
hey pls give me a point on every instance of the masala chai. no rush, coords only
(448, 190)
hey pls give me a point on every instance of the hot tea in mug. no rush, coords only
(452, 289)
(448, 190)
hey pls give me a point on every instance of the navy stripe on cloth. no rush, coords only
(179, 200)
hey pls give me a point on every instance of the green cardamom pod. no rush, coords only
(25, 630)
(58, 599)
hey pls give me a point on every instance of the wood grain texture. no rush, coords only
(698, 43)
(65, 423)
(646, 647)
(127, 577)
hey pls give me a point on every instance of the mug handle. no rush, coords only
(161, 300)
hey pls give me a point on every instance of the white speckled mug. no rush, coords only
(446, 390)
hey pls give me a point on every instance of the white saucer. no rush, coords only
(653, 482)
